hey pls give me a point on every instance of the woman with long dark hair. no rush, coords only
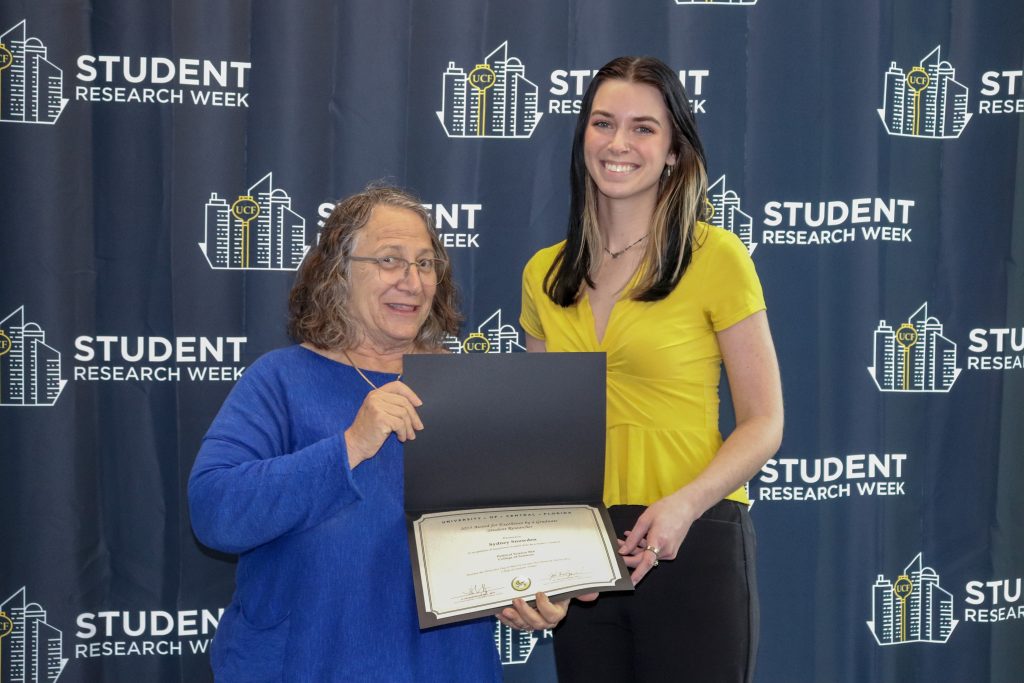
(669, 298)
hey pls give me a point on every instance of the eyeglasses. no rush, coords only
(395, 268)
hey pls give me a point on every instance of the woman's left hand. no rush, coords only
(657, 534)
(525, 618)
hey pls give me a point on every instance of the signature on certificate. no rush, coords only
(476, 590)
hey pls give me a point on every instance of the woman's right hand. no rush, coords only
(390, 408)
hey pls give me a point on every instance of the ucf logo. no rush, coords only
(907, 94)
(476, 343)
(482, 77)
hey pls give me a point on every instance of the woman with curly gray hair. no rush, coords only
(301, 472)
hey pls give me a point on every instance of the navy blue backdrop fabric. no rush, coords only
(168, 164)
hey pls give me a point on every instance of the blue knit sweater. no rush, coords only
(324, 587)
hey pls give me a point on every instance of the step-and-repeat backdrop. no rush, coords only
(868, 153)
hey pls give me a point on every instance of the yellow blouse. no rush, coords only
(664, 364)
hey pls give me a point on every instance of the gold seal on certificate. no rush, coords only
(521, 583)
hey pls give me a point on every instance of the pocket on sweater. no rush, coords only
(247, 653)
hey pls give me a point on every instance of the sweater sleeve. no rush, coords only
(246, 489)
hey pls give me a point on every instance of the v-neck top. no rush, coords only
(664, 363)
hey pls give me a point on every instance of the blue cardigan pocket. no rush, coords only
(246, 653)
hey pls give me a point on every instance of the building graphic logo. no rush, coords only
(30, 649)
(493, 100)
(514, 646)
(725, 212)
(30, 369)
(492, 336)
(914, 357)
(31, 86)
(912, 609)
(256, 231)
(925, 102)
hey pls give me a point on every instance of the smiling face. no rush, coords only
(389, 308)
(628, 140)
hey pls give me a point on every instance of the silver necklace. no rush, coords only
(620, 252)
(356, 367)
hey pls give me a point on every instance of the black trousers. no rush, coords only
(692, 619)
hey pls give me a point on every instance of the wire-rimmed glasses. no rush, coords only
(396, 268)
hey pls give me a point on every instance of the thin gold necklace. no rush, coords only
(620, 252)
(356, 367)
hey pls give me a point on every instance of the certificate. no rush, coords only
(480, 560)
(503, 484)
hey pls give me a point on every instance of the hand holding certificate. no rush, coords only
(503, 490)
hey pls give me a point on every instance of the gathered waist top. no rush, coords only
(664, 363)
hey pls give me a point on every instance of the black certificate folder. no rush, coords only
(503, 485)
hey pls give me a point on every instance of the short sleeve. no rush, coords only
(533, 289)
(734, 290)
